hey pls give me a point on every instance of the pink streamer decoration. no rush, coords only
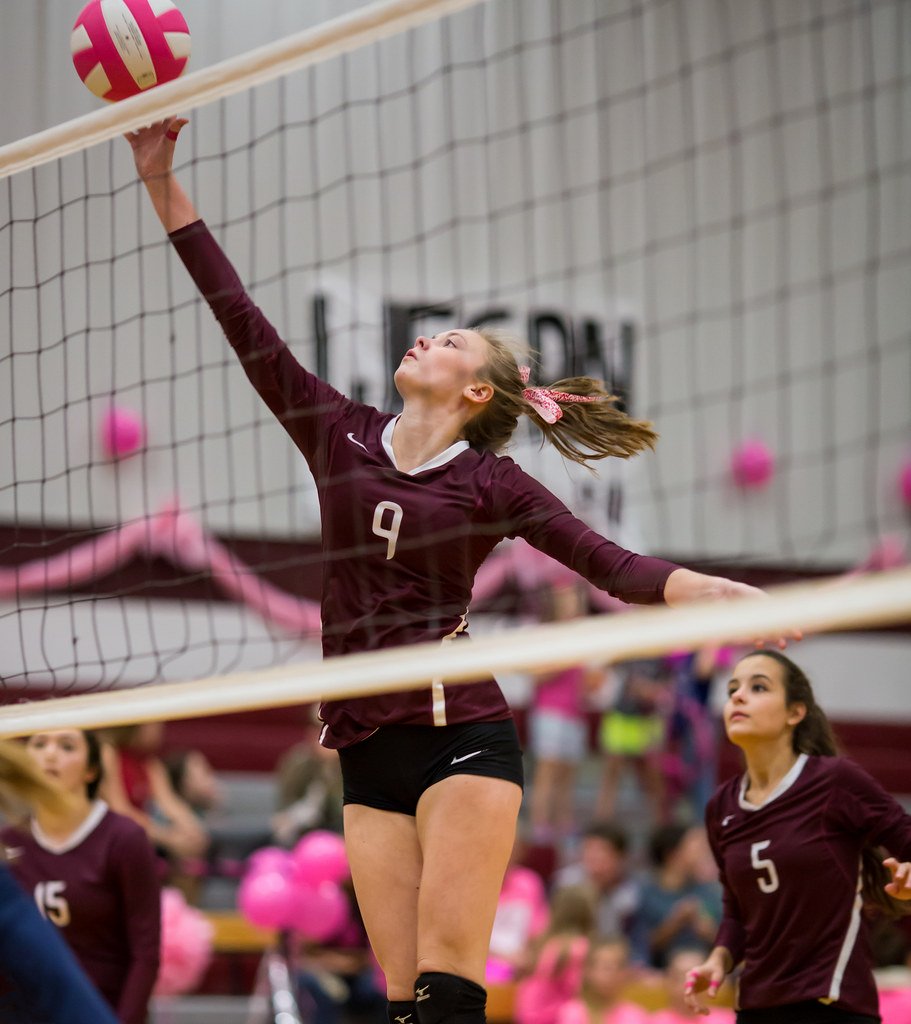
(175, 536)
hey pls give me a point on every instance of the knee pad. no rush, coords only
(402, 1013)
(449, 999)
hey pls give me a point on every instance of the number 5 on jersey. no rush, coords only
(768, 882)
(390, 532)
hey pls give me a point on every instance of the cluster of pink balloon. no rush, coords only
(298, 890)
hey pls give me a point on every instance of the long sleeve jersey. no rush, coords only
(791, 872)
(401, 549)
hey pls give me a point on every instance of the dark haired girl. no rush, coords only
(794, 839)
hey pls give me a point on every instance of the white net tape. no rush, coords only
(841, 604)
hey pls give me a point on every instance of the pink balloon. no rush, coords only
(317, 912)
(122, 432)
(320, 856)
(263, 898)
(752, 464)
(270, 858)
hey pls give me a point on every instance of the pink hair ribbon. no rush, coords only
(545, 400)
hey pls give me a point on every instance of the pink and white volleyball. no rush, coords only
(123, 47)
(752, 464)
(122, 431)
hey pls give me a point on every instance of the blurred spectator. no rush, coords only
(603, 866)
(677, 1012)
(309, 790)
(605, 976)
(136, 784)
(633, 735)
(193, 779)
(557, 960)
(690, 757)
(679, 902)
(558, 728)
(339, 980)
(522, 916)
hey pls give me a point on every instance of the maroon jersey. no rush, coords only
(401, 549)
(791, 876)
(100, 888)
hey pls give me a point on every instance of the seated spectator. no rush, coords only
(633, 735)
(522, 916)
(557, 958)
(193, 779)
(603, 866)
(309, 790)
(605, 976)
(678, 905)
(679, 965)
(136, 784)
(338, 980)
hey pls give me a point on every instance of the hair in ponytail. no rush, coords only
(813, 735)
(586, 432)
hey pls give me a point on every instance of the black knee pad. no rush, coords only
(402, 1012)
(449, 999)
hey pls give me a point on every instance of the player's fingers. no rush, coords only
(174, 125)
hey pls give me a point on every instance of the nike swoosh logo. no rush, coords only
(465, 757)
(729, 817)
(354, 440)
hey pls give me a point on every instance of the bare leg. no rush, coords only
(466, 825)
(543, 796)
(606, 803)
(385, 859)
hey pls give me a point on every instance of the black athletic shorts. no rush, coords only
(391, 769)
(810, 1012)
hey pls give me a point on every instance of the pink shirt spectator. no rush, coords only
(522, 915)
(562, 693)
(895, 1005)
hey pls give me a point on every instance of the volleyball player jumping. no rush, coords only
(793, 838)
(411, 506)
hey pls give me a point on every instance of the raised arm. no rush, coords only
(283, 384)
(153, 152)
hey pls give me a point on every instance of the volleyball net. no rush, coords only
(706, 209)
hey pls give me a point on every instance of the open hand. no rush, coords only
(900, 886)
(153, 147)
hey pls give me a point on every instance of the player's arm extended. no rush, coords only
(153, 153)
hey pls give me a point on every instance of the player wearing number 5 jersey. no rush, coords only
(794, 839)
(410, 507)
(92, 875)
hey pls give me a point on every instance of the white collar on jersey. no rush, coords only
(98, 811)
(438, 460)
(782, 786)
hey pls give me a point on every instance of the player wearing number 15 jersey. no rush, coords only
(410, 507)
(794, 838)
(93, 877)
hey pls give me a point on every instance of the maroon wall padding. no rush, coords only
(250, 741)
